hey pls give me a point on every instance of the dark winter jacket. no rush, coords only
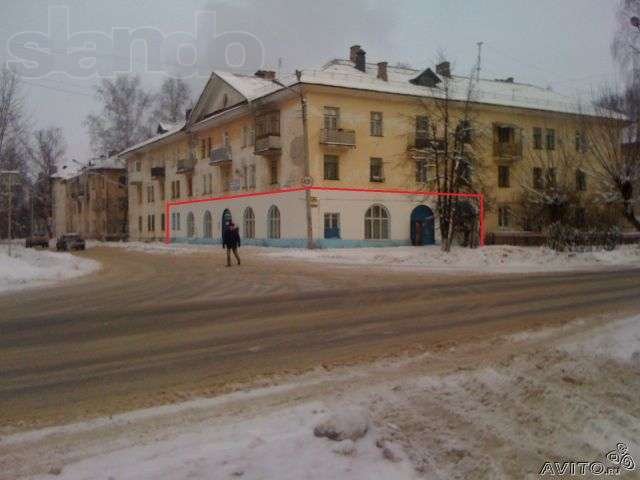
(231, 237)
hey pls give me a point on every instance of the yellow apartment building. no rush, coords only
(347, 125)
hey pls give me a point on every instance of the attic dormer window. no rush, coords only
(225, 100)
(426, 79)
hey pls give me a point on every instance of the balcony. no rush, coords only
(220, 155)
(338, 137)
(268, 145)
(507, 151)
(185, 165)
(157, 172)
(420, 146)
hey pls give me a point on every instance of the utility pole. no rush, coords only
(9, 174)
(307, 167)
(478, 63)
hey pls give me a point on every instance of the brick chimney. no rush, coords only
(361, 60)
(444, 69)
(266, 74)
(382, 71)
(353, 52)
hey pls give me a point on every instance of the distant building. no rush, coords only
(368, 125)
(92, 201)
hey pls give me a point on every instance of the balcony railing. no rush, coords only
(507, 150)
(220, 155)
(185, 165)
(157, 172)
(420, 145)
(268, 145)
(338, 137)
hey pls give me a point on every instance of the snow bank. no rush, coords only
(28, 267)
(155, 247)
(503, 258)
(618, 341)
(280, 445)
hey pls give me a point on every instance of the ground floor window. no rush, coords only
(504, 216)
(273, 222)
(162, 222)
(376, 223)
(207, 225)
(175, 221)
(191, 225)
(249, 223)
(331, 225)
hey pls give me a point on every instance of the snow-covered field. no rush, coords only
(30, 267)
(490, 259)
(498, 408)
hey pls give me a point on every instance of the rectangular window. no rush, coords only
(537, 138)
(422, 171)
(177, 220)
(150, 196)
(140, 224)
(376, 172)
(504, 216)
(580, 142)
(331, 118)
(551, 139)
(252, 177)
(139, 192)
(203, 148)
(208, 145)
(161, 185)
(177, 188)
(376, 124)
(538, 182)
(210, 183)
(245, 136)
(551, 177)
(225, 139)
(162, 222)
(503, 176)
(331, 225)
(274, 172)
(138, 166)
(245, 177)
(581, 180)
(505, 135)
(422, 127)
(331, 167)
(189, 186)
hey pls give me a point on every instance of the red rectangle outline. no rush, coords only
(479, 196)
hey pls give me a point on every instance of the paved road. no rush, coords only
(151, 329)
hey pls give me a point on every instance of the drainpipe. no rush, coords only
(307, 167)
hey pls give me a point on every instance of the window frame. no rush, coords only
(504, 180)
(377, 222)
(274, 223)
(376, 124)
(376, 162)
(331, 163)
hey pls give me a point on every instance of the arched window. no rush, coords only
(376, 223)
(249, 223)
(191, 225)
(207, 225)
(273, 222)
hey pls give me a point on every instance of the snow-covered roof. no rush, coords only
(112, 162)
(249, 86)
(342, 73)
(171, 130)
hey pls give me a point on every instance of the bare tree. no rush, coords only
(11, 110)
(172, 100)
(553, 181)
(123, 120)
(615, 147)
(452, 150)
(49, 147)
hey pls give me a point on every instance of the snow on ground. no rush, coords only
(497, 408)
(490, 259)
(499, 258)
(29, 267)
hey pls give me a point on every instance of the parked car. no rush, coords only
(70, 241)
(37, 240)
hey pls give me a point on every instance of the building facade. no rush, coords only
(350, 125)
(92, 201)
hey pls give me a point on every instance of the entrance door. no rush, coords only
(422, 226)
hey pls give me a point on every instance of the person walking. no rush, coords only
(231, 241)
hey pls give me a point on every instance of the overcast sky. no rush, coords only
(562, 44)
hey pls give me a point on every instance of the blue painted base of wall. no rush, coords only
(299, 242)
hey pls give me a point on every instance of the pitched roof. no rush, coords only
(171, 130)
(249, 86)
(342, 73)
